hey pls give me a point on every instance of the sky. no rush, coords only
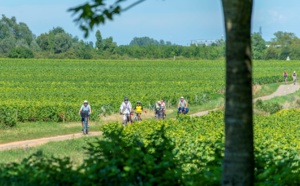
(178, 21)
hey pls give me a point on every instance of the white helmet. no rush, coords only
(85, 101)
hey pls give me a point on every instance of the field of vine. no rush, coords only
(53, 90)
(186, 151)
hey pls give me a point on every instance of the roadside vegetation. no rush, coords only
(160, 152)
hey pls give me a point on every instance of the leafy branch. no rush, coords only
(96, 12)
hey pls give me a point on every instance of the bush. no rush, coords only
(20, 53)
(188, 151)
(268, 107)
(7, 117)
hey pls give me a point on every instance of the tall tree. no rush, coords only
(109, 45)
(283, 38)
(238, 165)
(259, 46)
(99, 41)
(13, 34)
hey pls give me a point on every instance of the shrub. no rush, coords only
(20, 53)
(268, 107)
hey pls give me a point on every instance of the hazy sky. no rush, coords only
(178, 21)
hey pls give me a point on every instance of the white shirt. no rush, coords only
(126, 108)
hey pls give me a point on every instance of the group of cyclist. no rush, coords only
(294, 75)
(126, 109)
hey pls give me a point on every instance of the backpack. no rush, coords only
(157, 107)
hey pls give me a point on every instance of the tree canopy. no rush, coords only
(57, 43)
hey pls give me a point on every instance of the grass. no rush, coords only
(26, 131)
(264, 90)
(291, 100)
(74, 149)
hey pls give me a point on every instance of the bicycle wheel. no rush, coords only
(125, 121)
(85, 128)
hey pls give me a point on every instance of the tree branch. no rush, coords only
(95, 13)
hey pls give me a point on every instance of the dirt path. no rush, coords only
(281, 91)
(36, 142)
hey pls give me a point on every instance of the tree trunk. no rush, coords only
(238, 165)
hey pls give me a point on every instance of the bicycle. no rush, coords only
(159, 114)
(285, 80)
(126, 118)
(85, 115)
(137, 117)
(183, 110)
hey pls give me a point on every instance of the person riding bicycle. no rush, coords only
(163, 106)
(294, 77)
(85, 108)
(183, 106)
(126, 109)
(285, 77)
(138, 110)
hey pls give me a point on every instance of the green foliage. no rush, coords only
(7, 44)
(57, 44)
(277, 148)
(56, 40)
(58, 95)
(20, 53)
(272, 53)
(99, 41)
(144, 41)
(94, 13)
(268, 107)
(187, 151)
(7, 117)
(124, 159)
(109, 45)
(38, 170)
(267, 80)
(62, 42)
(53, 90)
(83, 50)
(258, 46)
(13, 34)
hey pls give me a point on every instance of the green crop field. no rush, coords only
(53, 90)
(187, 150)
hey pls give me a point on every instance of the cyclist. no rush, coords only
(294, 77)
(157, 109)
(85, 108)
(125, 109)
(163, 107)
(138, 110)
(183, 106)
(285, 77)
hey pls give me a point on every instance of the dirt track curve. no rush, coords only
(40, 141)
(281, 91)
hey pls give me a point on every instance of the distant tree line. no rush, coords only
(282, 46)
(18, 41)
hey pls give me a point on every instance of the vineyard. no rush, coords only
(187, 151)
(53, 90)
